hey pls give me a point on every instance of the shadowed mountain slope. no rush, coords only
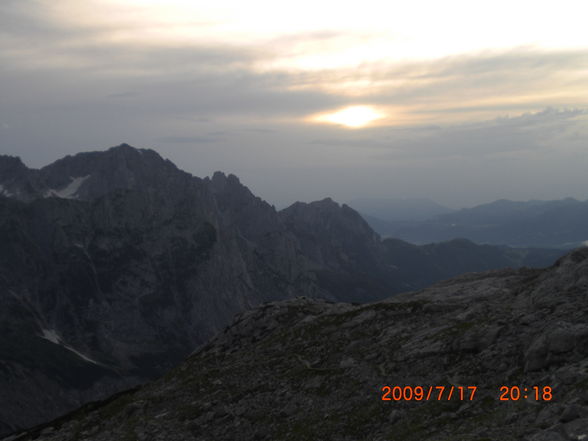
(307, 369)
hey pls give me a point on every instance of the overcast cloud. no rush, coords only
(459, 128)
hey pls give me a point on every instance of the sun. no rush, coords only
(353, 116)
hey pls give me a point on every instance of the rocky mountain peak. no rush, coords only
(327, 203)
(17, 180)
(12, 170)
(330, 218)
(94, 174)
(254, 217)
(223, 184)
(134, 157)
(578, 256)
(90, 175)
(339, 238)
(221, 179)
(11, 164)
(124, 147)
(571, 269)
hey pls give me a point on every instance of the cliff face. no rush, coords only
(120, 264)
(115, 265)
(307, 369)
(348, 257)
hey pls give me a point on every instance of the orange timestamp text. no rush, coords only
(427, 393)
(462, 393)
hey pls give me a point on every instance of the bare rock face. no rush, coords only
(115, 265)
(17, 181)
(307, 369)
(348, 256)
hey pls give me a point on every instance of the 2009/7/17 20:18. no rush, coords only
(420, 393)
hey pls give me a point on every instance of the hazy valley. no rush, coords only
(551, 224)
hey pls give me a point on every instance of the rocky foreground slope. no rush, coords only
(308, 369)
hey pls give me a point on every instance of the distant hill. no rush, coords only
(421, 266)
(548, 224)
(396, 209)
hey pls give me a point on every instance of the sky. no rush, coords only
(462, 102)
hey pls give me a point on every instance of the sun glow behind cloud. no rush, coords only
(432, 62)
(354, 117)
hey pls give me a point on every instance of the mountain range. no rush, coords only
(559, 224)
(115, 265)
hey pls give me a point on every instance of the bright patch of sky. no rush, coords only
(399, 30)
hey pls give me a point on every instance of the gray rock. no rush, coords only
(547, 436)
(561, 340)
(537, 355)
(548, 415)
(577, 429)
(570, 413)
(289, 383)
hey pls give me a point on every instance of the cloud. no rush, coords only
(215, 79)
(122, 95)
(462, 127)
(194, 80)
(550, 132)
(471, 86)
(522, 78)
(362, 142)
(187, 139)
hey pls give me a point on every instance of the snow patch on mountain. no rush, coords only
(5, 192)
(70, 190)
(52, 336)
